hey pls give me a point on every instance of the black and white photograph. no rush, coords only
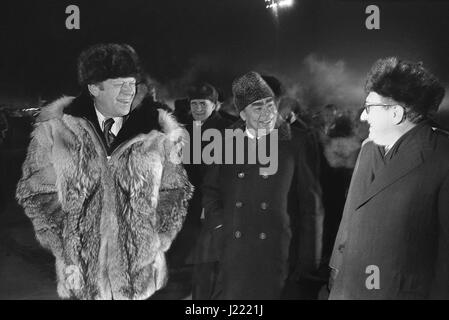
(237, 150)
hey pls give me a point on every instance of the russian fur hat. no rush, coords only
(107, 61)
(250, 88)
(407, 83)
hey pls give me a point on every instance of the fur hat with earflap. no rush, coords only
(407, 83)
(107, 61)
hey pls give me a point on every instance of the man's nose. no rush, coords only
(267, 112)
(128, 89)
(197, 108)
(364, 116)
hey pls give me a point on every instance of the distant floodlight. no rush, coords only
(274, 4)
(286, 3)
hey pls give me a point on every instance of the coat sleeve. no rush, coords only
(210, 242)
(174, 193)
(212, 202)
(37, 192)
(342, 234)
(310, 216)
(440, 283)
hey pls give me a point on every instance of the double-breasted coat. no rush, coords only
(393, 241)
(249, 218)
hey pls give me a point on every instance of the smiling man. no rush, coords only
(251, 217)
(99, 183)
(203, 101)
(393, 241)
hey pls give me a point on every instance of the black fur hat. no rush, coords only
(107, 61)
(203, 91)
(406, 82)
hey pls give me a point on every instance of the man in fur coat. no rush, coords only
(102, 185)
(260, 216)
(393, 241)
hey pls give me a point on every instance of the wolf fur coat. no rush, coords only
(107, 219)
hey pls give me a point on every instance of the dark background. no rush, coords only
(319, 48)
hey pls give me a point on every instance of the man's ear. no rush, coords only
(243, 115)
(93, 89)
(398, 115)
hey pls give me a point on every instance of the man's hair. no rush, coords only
(409, 84)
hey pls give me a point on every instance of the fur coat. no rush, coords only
(108, 220)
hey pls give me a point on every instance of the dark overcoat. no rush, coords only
(395, 224)
(181, 250)
(251, 226)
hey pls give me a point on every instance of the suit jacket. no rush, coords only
(396, 218)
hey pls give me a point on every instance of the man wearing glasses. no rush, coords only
(248, 213)
(102, 185)
(393, 241)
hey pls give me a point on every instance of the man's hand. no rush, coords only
(74, 279)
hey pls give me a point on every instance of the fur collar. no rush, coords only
(143, 119)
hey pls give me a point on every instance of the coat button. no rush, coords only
(264, 206)
(241, 175)
(237, 234)
(239, 204)
(262, 236)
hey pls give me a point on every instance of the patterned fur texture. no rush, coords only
(406, 82)
(107, 61)
(250, 88)
(108, 222)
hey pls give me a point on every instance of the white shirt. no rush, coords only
(251, 136)
(118, 121)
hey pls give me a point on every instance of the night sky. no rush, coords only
(320, 49)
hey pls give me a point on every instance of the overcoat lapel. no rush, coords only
(402, 164)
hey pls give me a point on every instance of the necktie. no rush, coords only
(108, 135)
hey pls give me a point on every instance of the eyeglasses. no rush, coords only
(121, 85)
(367, 107)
